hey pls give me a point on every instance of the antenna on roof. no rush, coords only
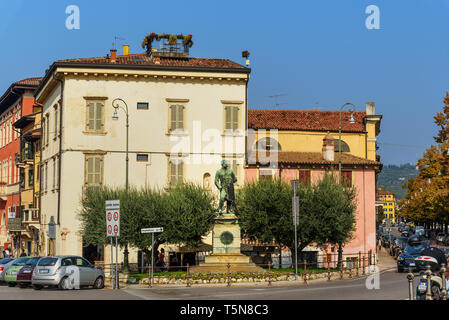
(114, 44)
(275, 97)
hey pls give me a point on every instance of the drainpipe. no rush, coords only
(245, 162)
(60, 147)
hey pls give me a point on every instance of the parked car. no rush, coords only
(57, 270)
(398, 246)
(24, 275)
(442, 238)
(4, 265)
(13, 271)
(386, 240)
(411, 252)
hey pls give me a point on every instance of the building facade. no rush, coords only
(388, 201)
(303, 145)
(185, 116)
(16, 102)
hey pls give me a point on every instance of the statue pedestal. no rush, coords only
(226, 249)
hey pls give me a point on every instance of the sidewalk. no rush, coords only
(386, 262)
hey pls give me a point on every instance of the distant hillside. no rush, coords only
(392, 178)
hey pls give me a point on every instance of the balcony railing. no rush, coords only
(30, 215)
(15, 224)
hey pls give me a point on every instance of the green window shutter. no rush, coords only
(228, 121)
(180, 178)
(99, 116)
(235, 118)
(91, 116)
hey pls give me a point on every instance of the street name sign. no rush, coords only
(152, 230)
(113, 218)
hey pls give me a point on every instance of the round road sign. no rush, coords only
(115, 229)
(109, 229)
(115, 216)
(109, 216)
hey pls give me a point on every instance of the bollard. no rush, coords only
(363, 272)
(357, 269)
(305, 272)
(328, 271)
(443, 276)
(188, 276)
(269, 273)
(229, 275)
(341, 270)
(410, 277)
(429, 284)
(149, 276)
(350, 271)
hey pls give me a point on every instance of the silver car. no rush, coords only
(4, 266)
(66, 272)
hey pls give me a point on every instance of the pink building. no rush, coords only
(304, 144)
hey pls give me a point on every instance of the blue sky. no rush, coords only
(318, 52)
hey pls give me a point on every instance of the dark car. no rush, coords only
(386, 240)
(25, 274)
(407, 258)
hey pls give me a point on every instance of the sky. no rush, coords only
(317, 54)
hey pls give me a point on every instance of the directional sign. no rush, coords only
(113, 218)
(152, 230)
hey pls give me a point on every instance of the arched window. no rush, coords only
(267, 144)
(344, 146)
(207, 183)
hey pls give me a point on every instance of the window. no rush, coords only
(344, 146)
(43, 132)
(22, 179)
(142, 105)
(47, 127)
(30, 177)
(54, 173)
(142, 157)
(56, 121)
(231, 118)
(94, 170)
(267, 144)
(176, 117)
(176, 171)
(304, 176)
(346, 178)
(265, 174)
(95, 116)
(46, 177)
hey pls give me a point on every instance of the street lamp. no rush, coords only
(351, 121)
(116, 105)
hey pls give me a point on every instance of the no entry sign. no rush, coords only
(113, 218)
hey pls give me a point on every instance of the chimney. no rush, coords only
(370, 110)
(125, 50)
(328, 148)
(157, 60)
(113, 55)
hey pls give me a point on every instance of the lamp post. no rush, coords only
(351, 120)
(116, 105)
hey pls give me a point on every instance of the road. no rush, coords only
(393, 286)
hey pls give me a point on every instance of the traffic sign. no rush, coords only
(113, 218)
(152, 230)
(295, 210)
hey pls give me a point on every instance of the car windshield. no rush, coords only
(415, 249)
(5, 261)
(20, 261)
(46, 262)
(32, 261)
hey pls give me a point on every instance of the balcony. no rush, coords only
(30, 216)
(15, 224)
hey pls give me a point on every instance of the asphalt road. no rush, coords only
(393, 286)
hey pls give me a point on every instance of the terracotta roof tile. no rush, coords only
(29, 81)
(308, 158)
(144, 59)
(305, 120)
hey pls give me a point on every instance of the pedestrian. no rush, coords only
(160, 259)
(7, 253)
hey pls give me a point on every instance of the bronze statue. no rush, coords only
(224, 180)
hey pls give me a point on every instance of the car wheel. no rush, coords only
(37, 287)
(11, 284)
(64, 284)
(400, 270)
(23, 285)
(99, 283)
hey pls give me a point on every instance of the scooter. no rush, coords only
(436, 281)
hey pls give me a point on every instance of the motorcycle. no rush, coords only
(436, 281)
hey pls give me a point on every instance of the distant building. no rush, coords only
(388, 202)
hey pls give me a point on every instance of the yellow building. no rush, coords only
(388, 201)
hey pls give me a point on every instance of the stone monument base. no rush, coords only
(226, 249)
